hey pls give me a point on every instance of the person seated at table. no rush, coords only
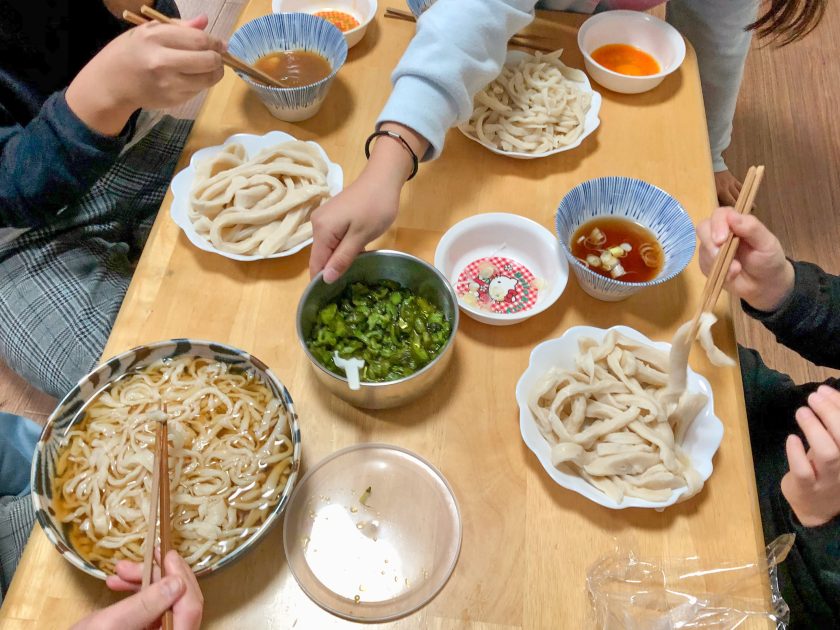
(798, 481)
(82, 172)
(459, 48)
(179, 590)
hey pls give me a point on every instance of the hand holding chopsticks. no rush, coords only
(723, 260)
(228, 59)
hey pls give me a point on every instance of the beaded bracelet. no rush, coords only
(393, 134)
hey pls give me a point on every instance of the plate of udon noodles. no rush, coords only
(252, 197)
(619, 418)
(234, 456)
(536, 107)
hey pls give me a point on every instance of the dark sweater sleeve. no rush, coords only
(808, 321)
(50, 162)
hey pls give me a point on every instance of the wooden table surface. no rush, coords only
(527, 543)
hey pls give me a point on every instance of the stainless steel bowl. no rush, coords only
(411, 272)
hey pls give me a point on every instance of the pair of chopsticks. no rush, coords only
(229, 60)
(519, 40)
(717, 277)
(159, 498)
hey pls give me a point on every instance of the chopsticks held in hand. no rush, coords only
(519, 40)
(720, 269)
(228, 59)
(159, 498)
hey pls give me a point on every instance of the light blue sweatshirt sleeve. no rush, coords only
(459, 48)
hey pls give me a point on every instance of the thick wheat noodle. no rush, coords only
(534, 106)
(620, 417)
(258, 206)
(229, 461)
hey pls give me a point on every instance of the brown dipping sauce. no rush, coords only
(295, 68)
(641, 258)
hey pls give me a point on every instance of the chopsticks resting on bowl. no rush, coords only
(228, 59)
(720, 269)
(159, 499)
(519, 40)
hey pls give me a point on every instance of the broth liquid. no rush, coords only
(617, 231)
(295, 68)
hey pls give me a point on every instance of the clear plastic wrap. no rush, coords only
(632, 594)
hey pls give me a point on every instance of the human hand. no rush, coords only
(812, 486)
(179, 591)
(150, 66)
(344, 225)
(760, 274)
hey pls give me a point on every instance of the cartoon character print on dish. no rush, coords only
(498, 285)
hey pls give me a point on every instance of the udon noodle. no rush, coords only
(229, 460)
(258, 206)
(536, 105)
(620, 417)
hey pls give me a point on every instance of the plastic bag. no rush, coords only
(632, 594)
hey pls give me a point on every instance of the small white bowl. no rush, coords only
(701, 442)
(510, 236)
(641, 30)
(590, 123)
(363, 10)
(182, 184)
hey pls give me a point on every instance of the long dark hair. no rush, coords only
(787, 21)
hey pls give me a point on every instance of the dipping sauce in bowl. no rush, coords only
(615, 247)
(295, 68)
(626, 59)
(344, 21)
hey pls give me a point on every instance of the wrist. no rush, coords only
(96, 106)
(774, 293)
(810, 520)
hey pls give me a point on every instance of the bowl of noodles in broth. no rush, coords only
(234, 456)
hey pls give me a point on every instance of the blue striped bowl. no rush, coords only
(290, 31)
(638, 201)
(69, 411)
(418, 6)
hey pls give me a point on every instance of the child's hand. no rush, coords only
(151, 66)
(812, 486)
(344, 225)
(179, 591)
(760, 273)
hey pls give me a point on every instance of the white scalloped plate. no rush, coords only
(701, 441)
(183, 182)
(590, 123)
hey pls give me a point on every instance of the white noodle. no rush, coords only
(619, 419)
(535, 105)
(258, 206)
(229, 459)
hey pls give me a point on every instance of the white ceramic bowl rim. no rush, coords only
(591, 121)
(707, 427)
(301, 88)
(183, 181)
(464, 226)
(650, 283)
(636, 15)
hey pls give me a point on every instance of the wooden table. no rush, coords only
(527, 543)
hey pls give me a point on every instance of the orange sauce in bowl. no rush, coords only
(344, 21)
(626, 59)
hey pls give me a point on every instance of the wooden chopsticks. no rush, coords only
(159, 499)
(519, 40)
(720, 269)
(229, 60)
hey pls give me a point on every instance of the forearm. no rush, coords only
(50, 163)
(807, 321)
(459, 47)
